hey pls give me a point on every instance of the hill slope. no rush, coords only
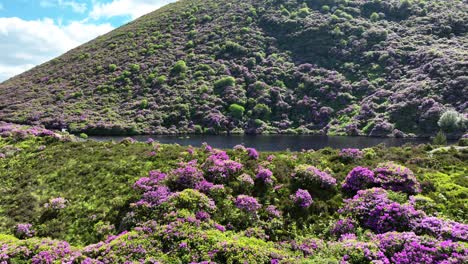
(341, 67)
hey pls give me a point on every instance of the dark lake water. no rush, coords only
(275, 142)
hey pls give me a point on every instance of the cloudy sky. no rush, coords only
(35, 31)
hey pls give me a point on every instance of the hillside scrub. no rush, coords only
(336, 67)
(76, 201)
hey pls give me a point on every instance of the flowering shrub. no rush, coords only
(343, 226)
(24, 231)
(374, 210)
(253, 154)
(351, 154)
(247, 203)
(408, 248)
(302, 198)
(440, 228)
(313, 179)
(245, 179)
(56, 203)
(272, 211)
(397, 178)
(265, 175)
(219, 167)
(359, 178)
(185, 177)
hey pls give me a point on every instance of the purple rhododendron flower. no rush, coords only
(358, 179)
(302, 198)
(252, 153)
(265, 175)
(24, 230)
(247, 203)
(351, 153)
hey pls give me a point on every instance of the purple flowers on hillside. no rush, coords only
(351, 154)
(388, 175)
(220, 167)
(252, 153)
(265, 175)
(359, 178)
(205, 207)
(247, 203)
(395, 177)
(310, 178)
(24, 231)
(21, 132)
(187, 176)
(302, 198)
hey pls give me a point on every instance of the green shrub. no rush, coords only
(237, 111)
(112, 67)
(224, 82)
(452, 121)
(135, 67)
(374, 17)
(440, 139)
(83, 136)
(179, 67)
(262, 111)
(144, 104)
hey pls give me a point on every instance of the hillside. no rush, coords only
(350, 67)
(63, 201)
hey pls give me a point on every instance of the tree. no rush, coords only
(236, 111)
(452, 121)
(440, 139)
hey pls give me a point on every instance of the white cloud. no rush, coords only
(77, 7)
(27, 43)
(132, 8)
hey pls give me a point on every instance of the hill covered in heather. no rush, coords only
(351, 67)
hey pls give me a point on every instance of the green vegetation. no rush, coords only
(174, 204)
(237, 111)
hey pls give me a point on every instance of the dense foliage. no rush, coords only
(130, 202)
(355, 67)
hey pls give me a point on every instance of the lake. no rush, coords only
(275, 142)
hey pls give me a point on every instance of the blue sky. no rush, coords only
(35, 31)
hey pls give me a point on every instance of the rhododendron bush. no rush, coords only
(112, 202)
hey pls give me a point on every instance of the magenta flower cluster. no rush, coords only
(351, 154)
(359, 178)
(252, 153)
(265, 175)
(24, 230)
(18, 131)
(220, 167)
(389, 176)
(302, 198)
(392, 176)
(247, 203)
